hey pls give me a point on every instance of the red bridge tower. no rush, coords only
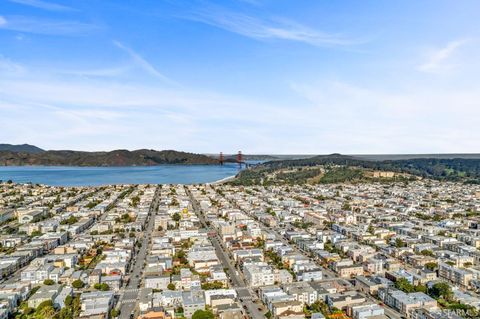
(240, 158)
(221, 159)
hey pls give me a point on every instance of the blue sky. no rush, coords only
(261, 76)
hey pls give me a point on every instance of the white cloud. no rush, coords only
(46, 26)
(43, 5)
(438, 60)
(279, 29)
(3, 21)
(62, 111)
(100, 72)
(329, 117)
(356, 119)
(11, 67)
(56, 110)
(144, 64)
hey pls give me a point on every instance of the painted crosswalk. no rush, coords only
(131, 290)
(247, 298)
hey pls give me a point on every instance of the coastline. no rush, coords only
(223, 180)
(96, 176)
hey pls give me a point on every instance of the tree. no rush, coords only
(28, 311)
(174, 202)
(77, 284)
(441, 289)
(181, 254)
(212, 285)
(125, 218)
(76, 305)
(48, 282)
(68, 301)
(114, 313)
(36, 233)
(179, 309)
(46, 311)
(134, 201)
(102, 287)
(371, 229)
(171, 286)
(69, 221)
(45, 304)
(404, 285)
(65, 313)
(270, 211)
(176, 217)
(399, 243)
(203, 314)
(431, 266)
(427, 252)
(260, 243)
(421, 288)
(467, 264)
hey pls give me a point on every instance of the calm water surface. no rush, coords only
(91, 176)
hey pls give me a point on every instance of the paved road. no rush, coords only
(244, 294)
(128, 296)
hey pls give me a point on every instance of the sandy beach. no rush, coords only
(223, 180)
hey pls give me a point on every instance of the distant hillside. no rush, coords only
(25, 148)
(385, 157)
(247, 157)
(447, 169)
(114, 158)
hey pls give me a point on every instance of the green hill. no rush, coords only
(114, 158)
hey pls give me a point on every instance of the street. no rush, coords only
(128, 302)
(244, 294)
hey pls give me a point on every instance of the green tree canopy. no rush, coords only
(114, 313)
(431, 266)
(48, 282)
(404, 285)
(176, 217)
(441, 289)
(102, 287)
(203, 314)
(427, 252)
(399, 243)
(45, 304)
(68, 301)
(77, 284)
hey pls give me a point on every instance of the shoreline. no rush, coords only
(223, 180)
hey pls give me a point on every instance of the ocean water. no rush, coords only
(94, 176)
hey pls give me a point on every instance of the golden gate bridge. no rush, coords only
(238, 159)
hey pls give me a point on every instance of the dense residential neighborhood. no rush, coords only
(405, 249)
